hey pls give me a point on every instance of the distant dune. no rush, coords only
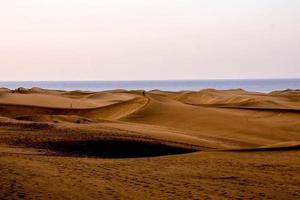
(48, 130)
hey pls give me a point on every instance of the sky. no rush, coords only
(149, 40)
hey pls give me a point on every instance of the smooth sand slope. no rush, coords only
(206, 144)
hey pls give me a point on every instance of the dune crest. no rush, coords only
(258, 119)
(159, 144)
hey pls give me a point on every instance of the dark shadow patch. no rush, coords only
(262, 149)
(116, 148)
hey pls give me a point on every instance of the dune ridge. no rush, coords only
(196, 114)
(205, 142)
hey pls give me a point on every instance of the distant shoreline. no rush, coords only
(258, 85)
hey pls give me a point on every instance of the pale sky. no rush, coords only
(153, 39)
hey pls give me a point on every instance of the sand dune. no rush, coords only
(228, 127)
(51, 128)
(242, 98)
(186, 112)
(56, 99)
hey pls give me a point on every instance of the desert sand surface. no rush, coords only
(207, 144)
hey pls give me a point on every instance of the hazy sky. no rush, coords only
(153, 39)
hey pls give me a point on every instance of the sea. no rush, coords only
(258, 85)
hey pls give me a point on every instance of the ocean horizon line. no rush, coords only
(258, 85)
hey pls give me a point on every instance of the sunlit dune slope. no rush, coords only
(242, 98)
(208, 118)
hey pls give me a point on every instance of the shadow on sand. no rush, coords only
(115, 148)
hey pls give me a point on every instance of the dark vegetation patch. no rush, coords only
(55, 118)
(27, 126)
